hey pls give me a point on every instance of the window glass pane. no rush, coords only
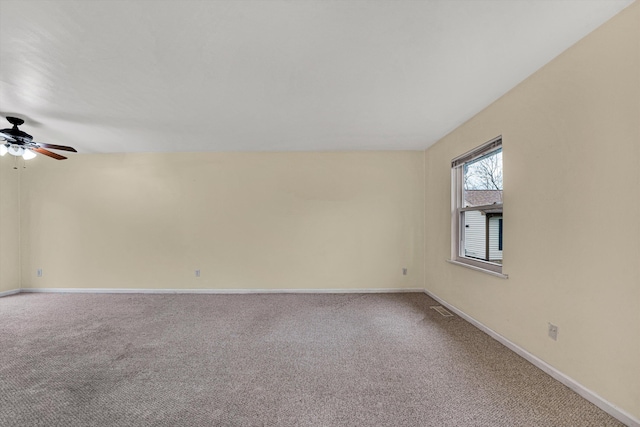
(483, 180)
(495, 238)
(482, 235)
(475, 235)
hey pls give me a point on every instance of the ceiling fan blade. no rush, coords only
(6, 136)
(48, 153)
(56, 147)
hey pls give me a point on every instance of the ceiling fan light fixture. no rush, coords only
(28, 154)
(3, 149)
(16, 150)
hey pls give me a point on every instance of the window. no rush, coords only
(476, 202)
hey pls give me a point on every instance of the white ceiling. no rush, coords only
(262, 75)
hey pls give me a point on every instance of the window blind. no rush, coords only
(476, 152)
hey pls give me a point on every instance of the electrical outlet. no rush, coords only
(197, 273)
(404, 271)
(553, 332)
(39, 272)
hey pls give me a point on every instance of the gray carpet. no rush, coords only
(265, 360)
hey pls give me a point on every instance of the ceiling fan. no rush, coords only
(19, 143)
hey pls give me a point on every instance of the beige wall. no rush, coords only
(246, 220)
(571, 141)
(9, 223)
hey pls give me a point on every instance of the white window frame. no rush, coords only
(458, 209)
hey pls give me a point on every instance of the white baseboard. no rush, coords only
(220, 291)
(589, 395)
(11, 292)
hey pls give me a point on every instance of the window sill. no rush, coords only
(473, 267)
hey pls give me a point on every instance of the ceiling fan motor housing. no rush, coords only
(16, 134)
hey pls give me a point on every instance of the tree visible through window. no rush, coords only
(477, 217)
